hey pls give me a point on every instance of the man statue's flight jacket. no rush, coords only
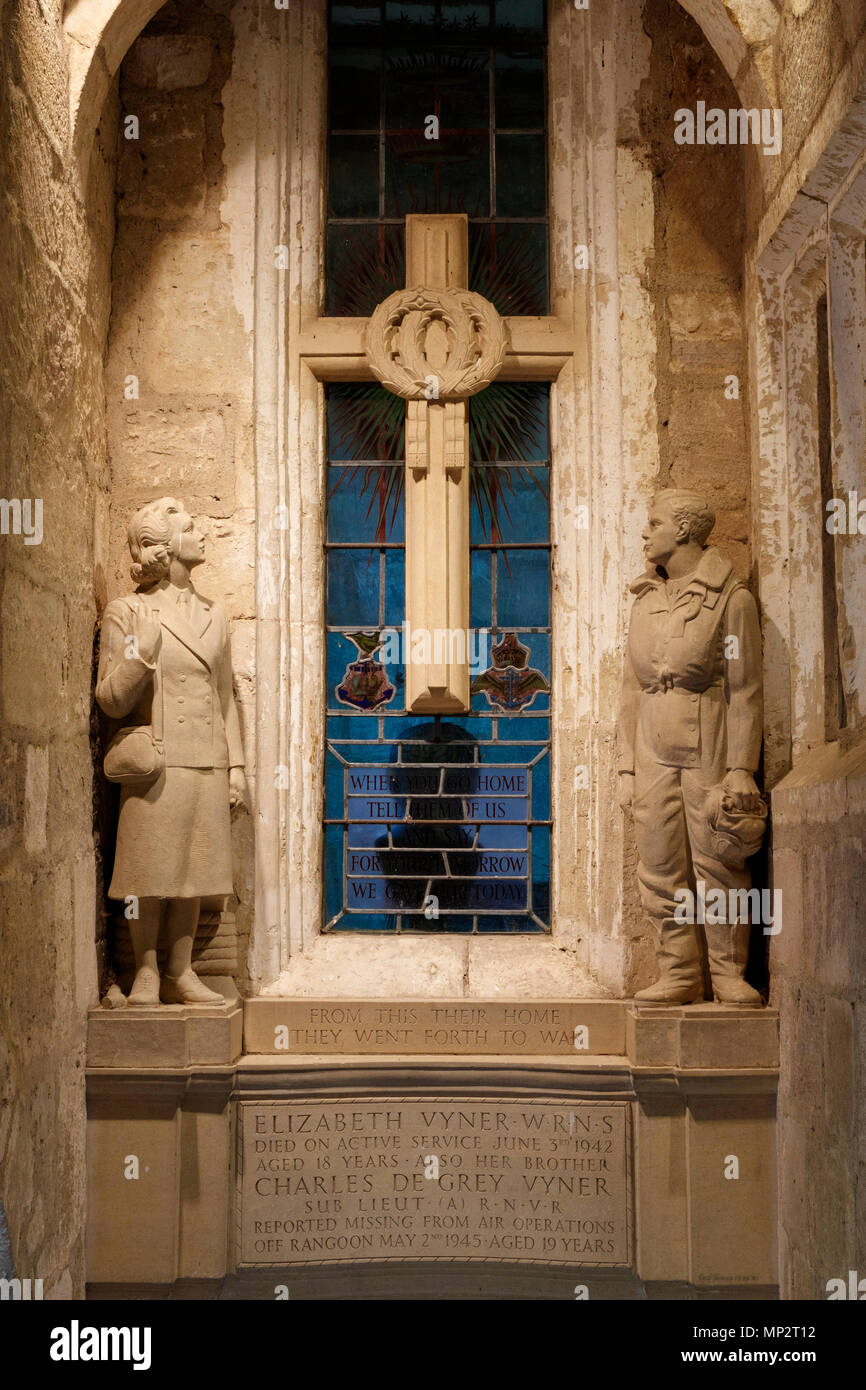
(705, 639)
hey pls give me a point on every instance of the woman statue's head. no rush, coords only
(160, 532)
(150, 537)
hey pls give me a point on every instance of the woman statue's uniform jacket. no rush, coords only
(174, 836)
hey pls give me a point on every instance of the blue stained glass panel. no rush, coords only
(395, 587)
(541, 790)
(333, 882)
(442, 805)
(523, 511)
(523, 727)
(353, 513)
(365, 921)
(351, 726)
(353, 588)
(370, 753)
(539, 656)
(364, 835)
(540, 857)
(480, 591)
(334, 787)
(523, 589)
(507, 837)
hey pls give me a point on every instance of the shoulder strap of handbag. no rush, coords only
(157, 717)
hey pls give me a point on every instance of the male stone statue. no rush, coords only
(164, 662)
(689, 743)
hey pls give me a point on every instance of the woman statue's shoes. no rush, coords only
(187, 989)
(149, 990)
(145, 988)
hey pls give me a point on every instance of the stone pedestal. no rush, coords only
(532, 1147)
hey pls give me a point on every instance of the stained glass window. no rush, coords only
(438, 823)
(437, 108)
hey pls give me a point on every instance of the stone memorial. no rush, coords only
(462, 1025)
(477, 390)
(335, 1129)
(498, 1181)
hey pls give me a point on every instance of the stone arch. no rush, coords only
(741, 32)
(99, 33)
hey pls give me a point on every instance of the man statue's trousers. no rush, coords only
(674, 850)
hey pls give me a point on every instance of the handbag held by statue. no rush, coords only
(136, 754)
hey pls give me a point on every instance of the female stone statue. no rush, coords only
(165, 673)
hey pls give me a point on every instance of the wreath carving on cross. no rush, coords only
(476, 342)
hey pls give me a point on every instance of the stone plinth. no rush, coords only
(702, 1035)
(644, 1169)
(167, 1036)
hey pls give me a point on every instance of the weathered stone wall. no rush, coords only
(696, 280)
(819, 968)
(53, 317)
(813, 65)
(179, 369)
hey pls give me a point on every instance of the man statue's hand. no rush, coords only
(741, 791)
(626, 791)
(237, 789)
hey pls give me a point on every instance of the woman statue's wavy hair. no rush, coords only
(150, 537)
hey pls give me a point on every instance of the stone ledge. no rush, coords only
(429, 1282)
(141, 1088)
(149, 1092)
(604, 1077)
(613, 1034)
(427, 968)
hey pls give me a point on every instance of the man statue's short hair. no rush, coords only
(692, 507)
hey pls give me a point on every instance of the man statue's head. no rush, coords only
(677, 518)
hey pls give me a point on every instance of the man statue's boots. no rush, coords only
(679, 961)
(728, 949)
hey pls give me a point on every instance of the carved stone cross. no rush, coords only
(435, 344)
